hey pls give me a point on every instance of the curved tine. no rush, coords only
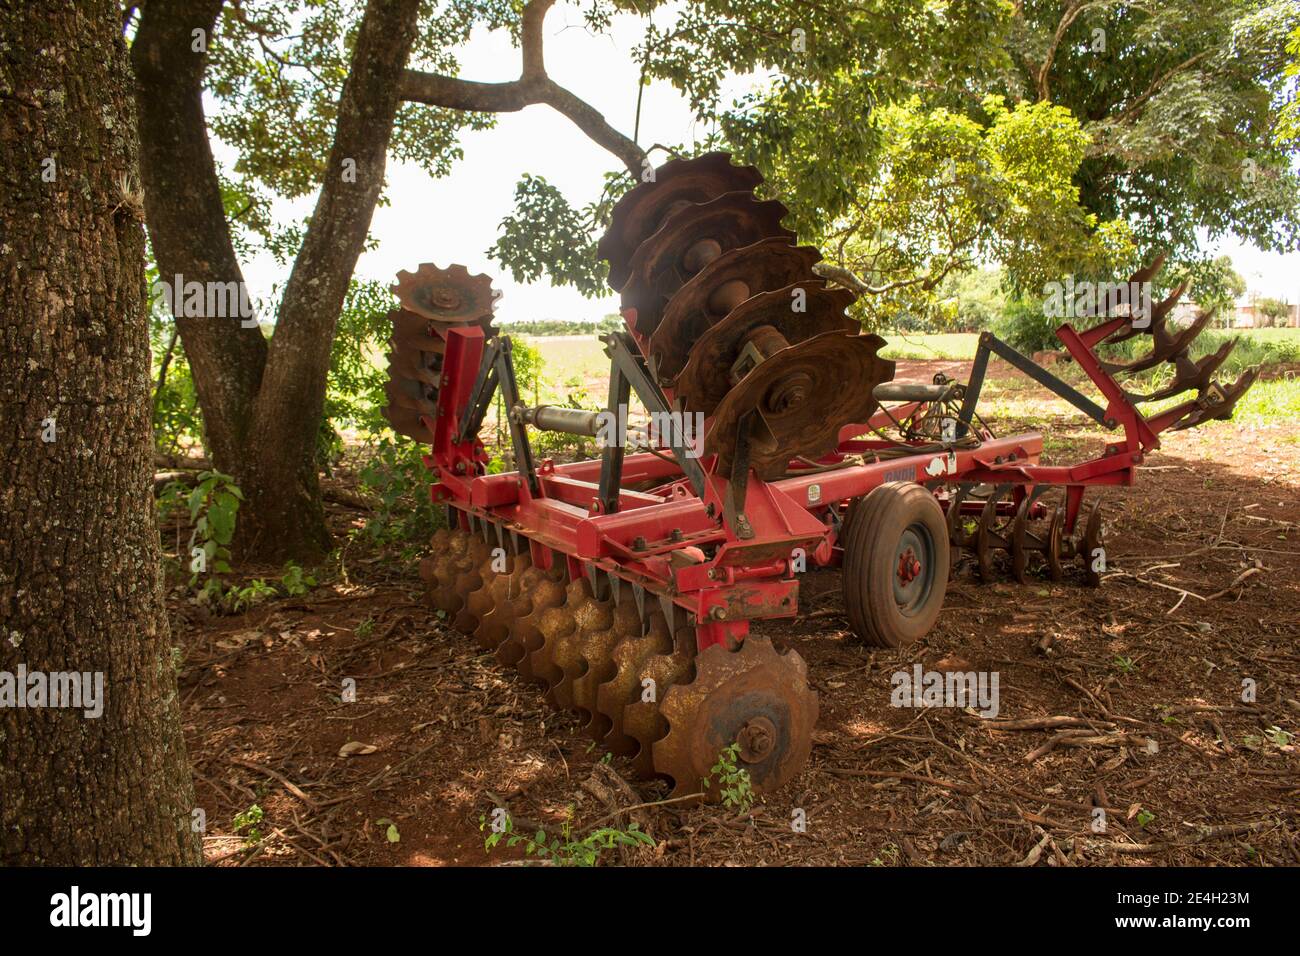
(1208, 409)
(1190, 374)
(1161, 308)
(1158, 313)
(1167, 347)
(1148, 272)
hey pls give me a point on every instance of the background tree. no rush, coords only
(1289, 121)
(79, 574)
(1272, 311)
(1178, 101)
(308, 93)
(1180, 98)
(1217, 284)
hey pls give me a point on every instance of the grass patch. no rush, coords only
(944, 346)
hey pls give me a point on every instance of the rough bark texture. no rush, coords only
(79, 558)
(187, 222)
(262, 404)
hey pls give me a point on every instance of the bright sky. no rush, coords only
(455, 219)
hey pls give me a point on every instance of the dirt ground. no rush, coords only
(1142, 680)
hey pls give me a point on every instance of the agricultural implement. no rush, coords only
(627, 586)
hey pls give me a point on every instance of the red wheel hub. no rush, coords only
(908, 566)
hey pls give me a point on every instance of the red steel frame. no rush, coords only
(656, 539)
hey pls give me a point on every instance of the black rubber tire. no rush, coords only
(882, 611)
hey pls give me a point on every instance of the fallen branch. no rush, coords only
(1249, 572)
(288, 784)
(1046, 723)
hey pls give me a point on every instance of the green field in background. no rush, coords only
(581, 356)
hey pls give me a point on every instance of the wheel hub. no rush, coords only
(756, 739)
(913, 568)
(908, 566)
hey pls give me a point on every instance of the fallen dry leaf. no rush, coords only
(355, 748)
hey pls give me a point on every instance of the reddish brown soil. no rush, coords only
(1152, 677)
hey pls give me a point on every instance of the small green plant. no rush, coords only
(737, 789)
(1125, 665)
(296, 581)
(887, 856)
(214, 505)
(565, 850)
(1144, 817)
(253, 593)
(366, 628)
(397, 475)
(1278, 737)
(248, 820)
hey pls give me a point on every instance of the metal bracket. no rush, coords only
(480, 396)
(991, 344)
(739, 485)
(627, 360)
(496, 369)
(611, 456)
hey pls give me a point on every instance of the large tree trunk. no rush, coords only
(79, 557)
(262, 405)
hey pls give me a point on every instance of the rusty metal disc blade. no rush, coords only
(690, 239)
(418, 366)
(546, 593)
(403, 393)
(406, 422)
(642, 720)
(721, 286)
(450, 295)
(642, 210)
(704, 382)
(560, 636)
(803, 394)
(614, 695)
(757, 698)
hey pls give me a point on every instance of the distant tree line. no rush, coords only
(609, 323)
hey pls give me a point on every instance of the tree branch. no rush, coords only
(532, 88)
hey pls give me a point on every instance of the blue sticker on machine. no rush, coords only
(901, 474)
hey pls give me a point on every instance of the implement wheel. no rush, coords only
(896, 559)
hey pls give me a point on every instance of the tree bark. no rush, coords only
(262, 404)
(80, 589)
(187, 220)
(281, 482)
(532, 87)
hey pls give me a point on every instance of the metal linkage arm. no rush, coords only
(611, 456)
(497, 370)
(627, 367)
(990, 344)
(480, 396)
